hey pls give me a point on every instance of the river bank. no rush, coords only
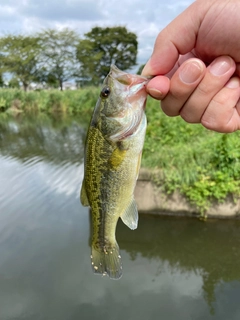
(199, 165)
(153, 200)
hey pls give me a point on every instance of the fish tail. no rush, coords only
(107, 261)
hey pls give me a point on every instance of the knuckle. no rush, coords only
(218, 101)
(213, 124)
(209, 122)
(170, 112)
(204, 90)
(179, 95)
(222, 124)
(170, 108)
(189, 116)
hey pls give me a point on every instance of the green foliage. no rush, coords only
(103, 47)
(52, 56)
(51, 80)
(19, 56)
(221, 175)
(2, 84)
(3, 105)
(203, 165)
(140, 69)
(14, 83)
(58, 54)
(70, 101)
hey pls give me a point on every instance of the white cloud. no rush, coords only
(145, 18)
(56, 10)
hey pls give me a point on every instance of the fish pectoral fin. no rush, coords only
(117, 158)
(83, 195)
(139, 164)
(130, 216)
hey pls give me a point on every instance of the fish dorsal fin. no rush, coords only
(130, 216)
(83, 195)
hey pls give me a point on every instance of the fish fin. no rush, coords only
(83, 195)
(130, 216)
(117, 158)
(107, 261)
(138, 164)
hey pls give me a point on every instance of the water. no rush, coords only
(173, 268)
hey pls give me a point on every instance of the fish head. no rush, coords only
(122, 103)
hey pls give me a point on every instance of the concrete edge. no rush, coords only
(152, 200)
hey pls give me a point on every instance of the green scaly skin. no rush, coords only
(111, 170)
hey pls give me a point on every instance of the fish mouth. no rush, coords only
(133, 83)
(132, 89)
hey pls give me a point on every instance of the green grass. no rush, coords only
(202, 165)
(71, 102)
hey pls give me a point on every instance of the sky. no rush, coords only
(146, 18)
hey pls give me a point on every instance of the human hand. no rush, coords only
(200, 53)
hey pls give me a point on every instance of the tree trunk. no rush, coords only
(25, 86)
(61, 85)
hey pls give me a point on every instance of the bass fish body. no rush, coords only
(112, 160)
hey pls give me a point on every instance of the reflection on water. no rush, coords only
(174, 268)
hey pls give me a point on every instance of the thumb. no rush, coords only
(179, 37)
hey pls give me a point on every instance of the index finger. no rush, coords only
(179, 37)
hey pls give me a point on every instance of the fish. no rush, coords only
(112, 158)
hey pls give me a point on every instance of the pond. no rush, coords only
(173, 268)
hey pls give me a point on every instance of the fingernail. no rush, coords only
(157, 94)
(191, 71)
(220, 66)
(233, 83)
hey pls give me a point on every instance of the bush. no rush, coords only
(80, 101)
(201, 164)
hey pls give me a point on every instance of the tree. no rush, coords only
(1, 81)
(140, 69)
(13, 83)
(103, 47)
(19, 56)
(59, 54)
(51, 81)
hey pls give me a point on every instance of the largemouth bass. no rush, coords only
(112, 160)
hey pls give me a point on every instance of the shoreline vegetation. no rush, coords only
(201, 165)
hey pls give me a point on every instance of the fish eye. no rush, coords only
(105, 92)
